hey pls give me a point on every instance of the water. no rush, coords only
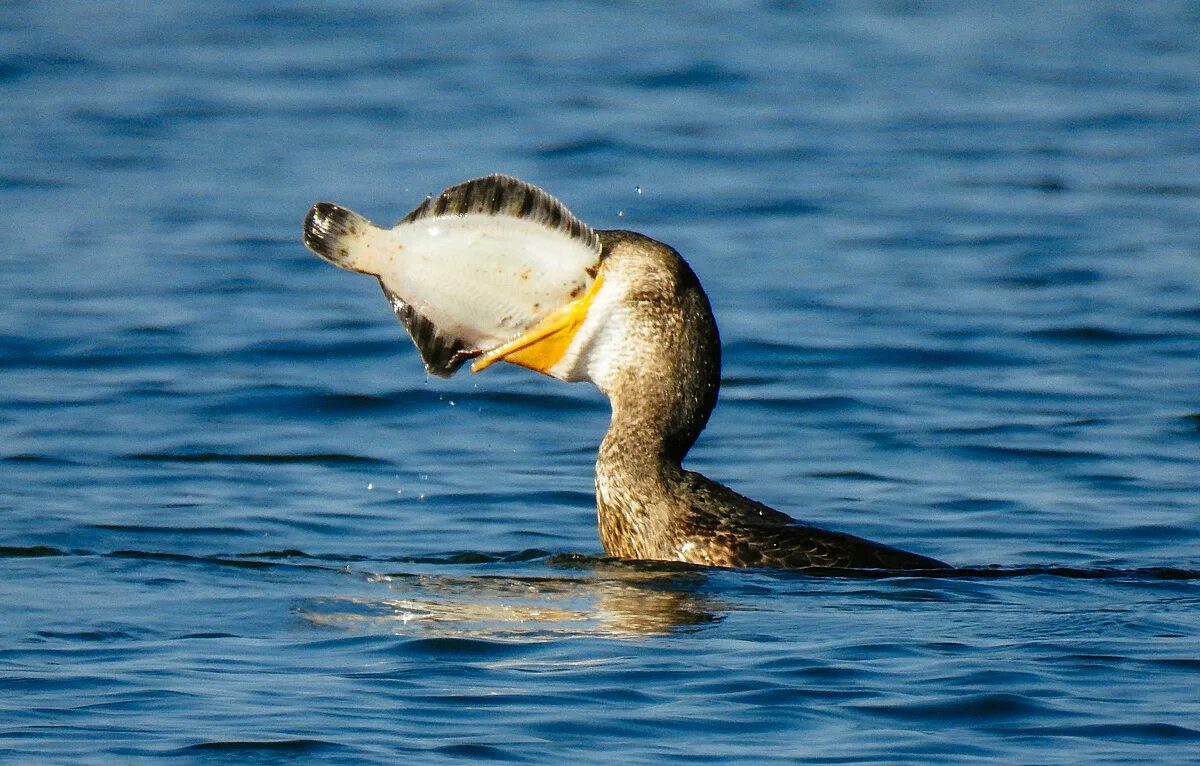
(954, 250)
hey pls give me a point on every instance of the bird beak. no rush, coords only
(543, 346)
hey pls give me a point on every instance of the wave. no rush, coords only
(577, 561)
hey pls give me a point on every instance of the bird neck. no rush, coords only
(655, 421)
(639, 501)
(662, 391)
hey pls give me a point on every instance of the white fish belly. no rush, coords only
(483, 279)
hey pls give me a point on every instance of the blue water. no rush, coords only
(954, 250)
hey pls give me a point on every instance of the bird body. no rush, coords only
(635, 322)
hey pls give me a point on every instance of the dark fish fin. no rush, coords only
(442, 354)
(501, 195)
(326, 229)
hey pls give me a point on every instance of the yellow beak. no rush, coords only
(543, 346)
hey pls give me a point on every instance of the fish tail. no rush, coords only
(335, 234)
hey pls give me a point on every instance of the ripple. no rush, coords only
(87, 636)
(1157, 190)
(1132, 732)
(296, 350)
(1095, 335)
(995, 452)
(978, 708)
(34, 183)
(170, 530)
(189, 559)
(34, 551)
(537, 401)
(262, 458)
(872, 356)
(707, 75)
(476, 751)
(251, 748)
(45, 64)
(475, 648)
(856, 476)
(579, 148)
(331, 403)
(779, 208)
(1054, 278)
(474, 557)
(796, 403)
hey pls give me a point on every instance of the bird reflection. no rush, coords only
(615, 600)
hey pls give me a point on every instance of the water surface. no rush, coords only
(954, 251)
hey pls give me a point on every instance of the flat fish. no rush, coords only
(468, 270)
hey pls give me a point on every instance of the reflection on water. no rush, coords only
(613, 598)
(622, 602)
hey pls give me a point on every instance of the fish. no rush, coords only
(470, 270)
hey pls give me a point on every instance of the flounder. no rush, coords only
(486, 262)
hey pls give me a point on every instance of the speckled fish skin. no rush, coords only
(467, 270)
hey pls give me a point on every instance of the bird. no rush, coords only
(496, 269)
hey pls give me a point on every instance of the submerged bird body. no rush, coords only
(639, 326)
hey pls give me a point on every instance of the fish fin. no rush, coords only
(331, 231)
(442, 353)
(501, 195)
